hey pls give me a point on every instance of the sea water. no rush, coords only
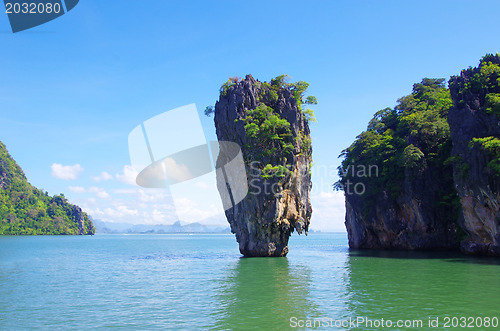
(200, 281)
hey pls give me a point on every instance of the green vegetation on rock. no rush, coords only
(267, 121)
(266, 131)
(402, 143)
(269, 94)
(482, 86)
(270, 171)
(475, 130)
(271, 134)
(484, 83)
(26, 210)
(227, 85)
(493, 103)
(492, 146)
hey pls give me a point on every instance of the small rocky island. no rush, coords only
(270, 122)
(26, 210)
(434, 161)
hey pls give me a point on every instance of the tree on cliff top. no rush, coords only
(482, 84)
(266, 130)
(298, 88)
(411, 136)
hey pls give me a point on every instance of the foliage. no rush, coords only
(235, 79)
(266, 129)
(311, 100)
(298, 89)
(268, 132)
(493, 103)
(309, 115)
(304, 143)
(407, 139)
(269, 94)
(492, 146)
(271, 171)
(280, 81)
(487, 78)
(209, 110)
(269, 136)
(483, 82)
(26, 210)
(413, 157)
(226, 86)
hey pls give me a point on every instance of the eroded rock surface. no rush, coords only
(266, 121)
(476, 180)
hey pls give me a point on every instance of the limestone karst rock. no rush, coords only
(475, 132)
(266, 121)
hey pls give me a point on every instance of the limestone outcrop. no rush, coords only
(267, 121)
(475, 132)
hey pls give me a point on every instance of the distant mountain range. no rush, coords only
(177, 227)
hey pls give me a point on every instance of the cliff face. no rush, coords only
(475, 129)
(398, 190)
(26, 210)
(439, 184)
(266, 121)
(412, 221)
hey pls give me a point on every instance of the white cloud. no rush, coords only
(152, 195)
(121, 211)
(125, 191)
(103, 195)
(66, 172)
(158, 216)
(189, 210)
(128, 176)
(175, 171)
(99, 192)
(77, 189)
(328, 211)
(146, 194)
(104, 176)
(133, 205)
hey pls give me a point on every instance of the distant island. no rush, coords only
(425, 175)
(176, 227)
(26, 210)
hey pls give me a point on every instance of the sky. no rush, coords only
(72, 90)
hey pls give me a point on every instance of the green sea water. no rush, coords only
(199, 281)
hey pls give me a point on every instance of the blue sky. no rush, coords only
(71, 90)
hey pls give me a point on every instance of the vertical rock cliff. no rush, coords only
(475, 132)
(398, 188)
(267, 121)
(438, 160)
(411, 221)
